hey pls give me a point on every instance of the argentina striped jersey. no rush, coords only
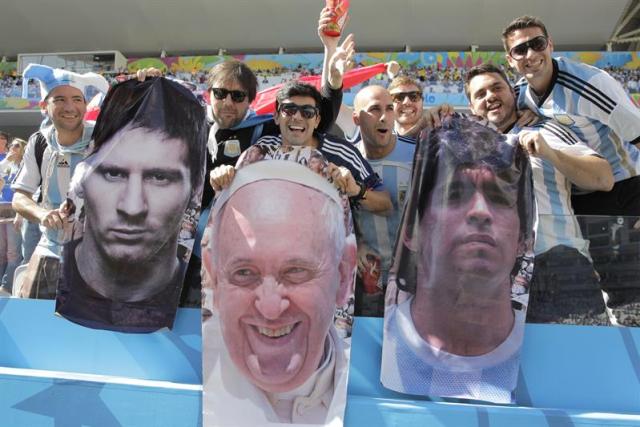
(378, 232)
(411, 365)
(53, 177)
(340, 153)
(557, 224)
(596, 108)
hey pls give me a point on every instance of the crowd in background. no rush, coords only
(433, 79)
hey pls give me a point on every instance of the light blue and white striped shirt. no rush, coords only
(54, 176)
(557, 224)
(595, 107)
(378, 232)
(411, 365)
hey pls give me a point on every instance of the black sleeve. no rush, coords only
(329, 107)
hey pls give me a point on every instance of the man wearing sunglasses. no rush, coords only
(407, 106)
(586, 99)
(559, 160)
(235, 127)
(298, 117)
(595, 106)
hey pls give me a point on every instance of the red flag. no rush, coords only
(265, 101)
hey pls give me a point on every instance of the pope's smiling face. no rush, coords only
(277, 278)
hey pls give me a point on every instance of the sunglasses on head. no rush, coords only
(538, 44)
(290, 109)
(401, 96)
(236, 95)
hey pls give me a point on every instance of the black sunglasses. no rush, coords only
(236, 95)
(538, 44)
(400, 96)
(290, 109)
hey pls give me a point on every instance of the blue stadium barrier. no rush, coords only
(571, 376)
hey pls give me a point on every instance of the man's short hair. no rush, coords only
(297, 88)
(521, 23)
(478, 70)
(403, 81)
(7, 137)
(174, 111)
(232, 69)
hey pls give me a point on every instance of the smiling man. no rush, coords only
(50, 159)
(587, 100)
(407, 106)
(278, 268)
(123, 273)
(298, 117)
(451, 328)
(597, 109)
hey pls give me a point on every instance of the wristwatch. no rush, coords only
(362, 194)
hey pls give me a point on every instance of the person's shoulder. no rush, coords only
(555, 130)
(332, 142)
(579, 73)
(520, 85)
(334, 139)
(269, 140)
(37, 138)
(89, 125)
(406, 140)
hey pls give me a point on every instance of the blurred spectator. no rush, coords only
(4, 144)
(10, 239)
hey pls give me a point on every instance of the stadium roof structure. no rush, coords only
(179, 27)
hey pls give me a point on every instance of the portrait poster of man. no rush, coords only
(134, 202)
(280, 258)
(456, 301)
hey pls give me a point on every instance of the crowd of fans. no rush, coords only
(433, 79)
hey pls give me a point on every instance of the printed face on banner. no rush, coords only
(276, 296)
(280, 266)
(472, 225)
(133, 204)
(133, 201)
(454, 304)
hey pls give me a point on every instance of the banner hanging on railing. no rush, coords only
(457, 298)
(280, 259)
(135, 201)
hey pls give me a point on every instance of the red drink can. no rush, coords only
(341, 8)
(371, 275)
